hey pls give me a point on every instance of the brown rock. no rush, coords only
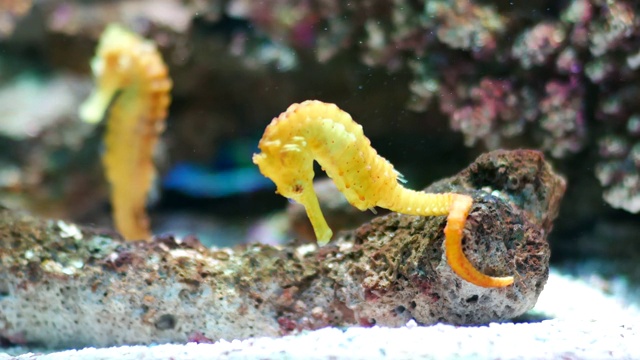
(63, 286)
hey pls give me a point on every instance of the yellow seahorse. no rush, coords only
(316, 130)
(132, 91)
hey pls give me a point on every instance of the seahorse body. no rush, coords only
(133, 85)
(314, 130)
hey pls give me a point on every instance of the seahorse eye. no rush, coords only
(297, 188)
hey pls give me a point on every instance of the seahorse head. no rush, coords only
(269, 166)
(114, 68)
(289, 168)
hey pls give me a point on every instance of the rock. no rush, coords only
(65, 286)
(516, 197)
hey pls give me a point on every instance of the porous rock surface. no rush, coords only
(65, 286)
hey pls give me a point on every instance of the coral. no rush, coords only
(616, 24)
(559, 58)
(488, 106)
(487, 103)
(464, 24)
(619, 147)
(620, 170)
(562, 117)
(535, 46)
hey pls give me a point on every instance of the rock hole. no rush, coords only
(472, 299)
(165, 322)
(4, 290)
(184, 295)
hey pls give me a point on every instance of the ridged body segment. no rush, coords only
(313, 130)
(133, 84)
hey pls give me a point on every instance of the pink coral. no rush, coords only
(489, 103)
(535, 46)
(563, 117)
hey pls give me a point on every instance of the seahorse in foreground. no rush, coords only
(132, 91)
(313, 130)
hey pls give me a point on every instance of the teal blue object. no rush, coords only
(200, 181)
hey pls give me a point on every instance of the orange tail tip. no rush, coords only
(453, 243)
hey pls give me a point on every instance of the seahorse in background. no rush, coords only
(316, 130)
(132, 92)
